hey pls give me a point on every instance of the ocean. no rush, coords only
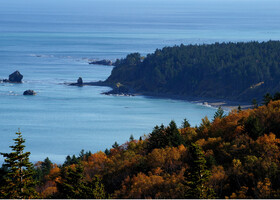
(51, 42)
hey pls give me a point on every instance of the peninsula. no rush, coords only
(237, 72)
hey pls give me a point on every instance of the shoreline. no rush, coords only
(211, 102)
(208, 102)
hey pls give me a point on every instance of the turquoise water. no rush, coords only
(50, 43)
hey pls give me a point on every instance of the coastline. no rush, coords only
(211, 102)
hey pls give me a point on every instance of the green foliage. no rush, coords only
(115, 145)
(165, 136)
(253, 127)
(237, 71)
(219, 113)
(42, 169)
(255, 103)
(131, 138)
(107, 152)
(71, 185)
(75, 160)
(237, 157)
(18, 178)
(185, 123)
(197, 175)
(70, 160)
(239, 108)
(46, 166)
(74, 185)
(267, 98)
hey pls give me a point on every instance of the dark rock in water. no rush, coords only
(120, 90)
(15, 77)
(102, 62)
(80, 81)
(29, 92)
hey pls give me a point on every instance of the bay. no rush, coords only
(50, 42)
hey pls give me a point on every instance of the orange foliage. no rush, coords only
(95, 164)
(168, 158)
(268, 146)
(154, 185)
(241, 165)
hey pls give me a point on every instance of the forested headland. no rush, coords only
(233, 156)
(232, 71)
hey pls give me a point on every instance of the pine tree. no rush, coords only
(255, 103)
(74, 185)
(131, 138)
(197, 175)
(162, 137)
(239, 108)
(71, 184)
(115, 145)
(107, 152)
(46, 166)
(19, 181)
(219, 113)
(267, 98)
(185, 123)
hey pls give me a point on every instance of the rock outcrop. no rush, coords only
(29, 92)
(120, 90)
(102, 62)
(15, 77)
(80, 81)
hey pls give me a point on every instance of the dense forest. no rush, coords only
(233, 156)
(233, 71)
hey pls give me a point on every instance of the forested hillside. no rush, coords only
(232, 71)
(234, 156)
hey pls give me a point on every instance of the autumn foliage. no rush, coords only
(233, 156)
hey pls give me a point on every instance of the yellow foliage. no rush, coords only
(240, 194)
(166, 158)
(49, 191)
(264, 188)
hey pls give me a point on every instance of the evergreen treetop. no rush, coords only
(19, 176)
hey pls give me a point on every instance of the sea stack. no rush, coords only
(29, 92)
(80, 81)
(15, 77)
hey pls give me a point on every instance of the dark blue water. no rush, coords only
(50, 42)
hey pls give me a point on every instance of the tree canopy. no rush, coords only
(233, 156)
(235, 71)
(18, 176)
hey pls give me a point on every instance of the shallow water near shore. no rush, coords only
(50, 43)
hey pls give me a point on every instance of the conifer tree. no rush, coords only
(107, 152)
(46, 166)
(115, 145)
(131, 138)
(255, 103)
(267, 98)
(74, 185)
(239, 108)
(197, 175)
(219, 113)
(18, 179)
(162, 137)
(185, 123)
